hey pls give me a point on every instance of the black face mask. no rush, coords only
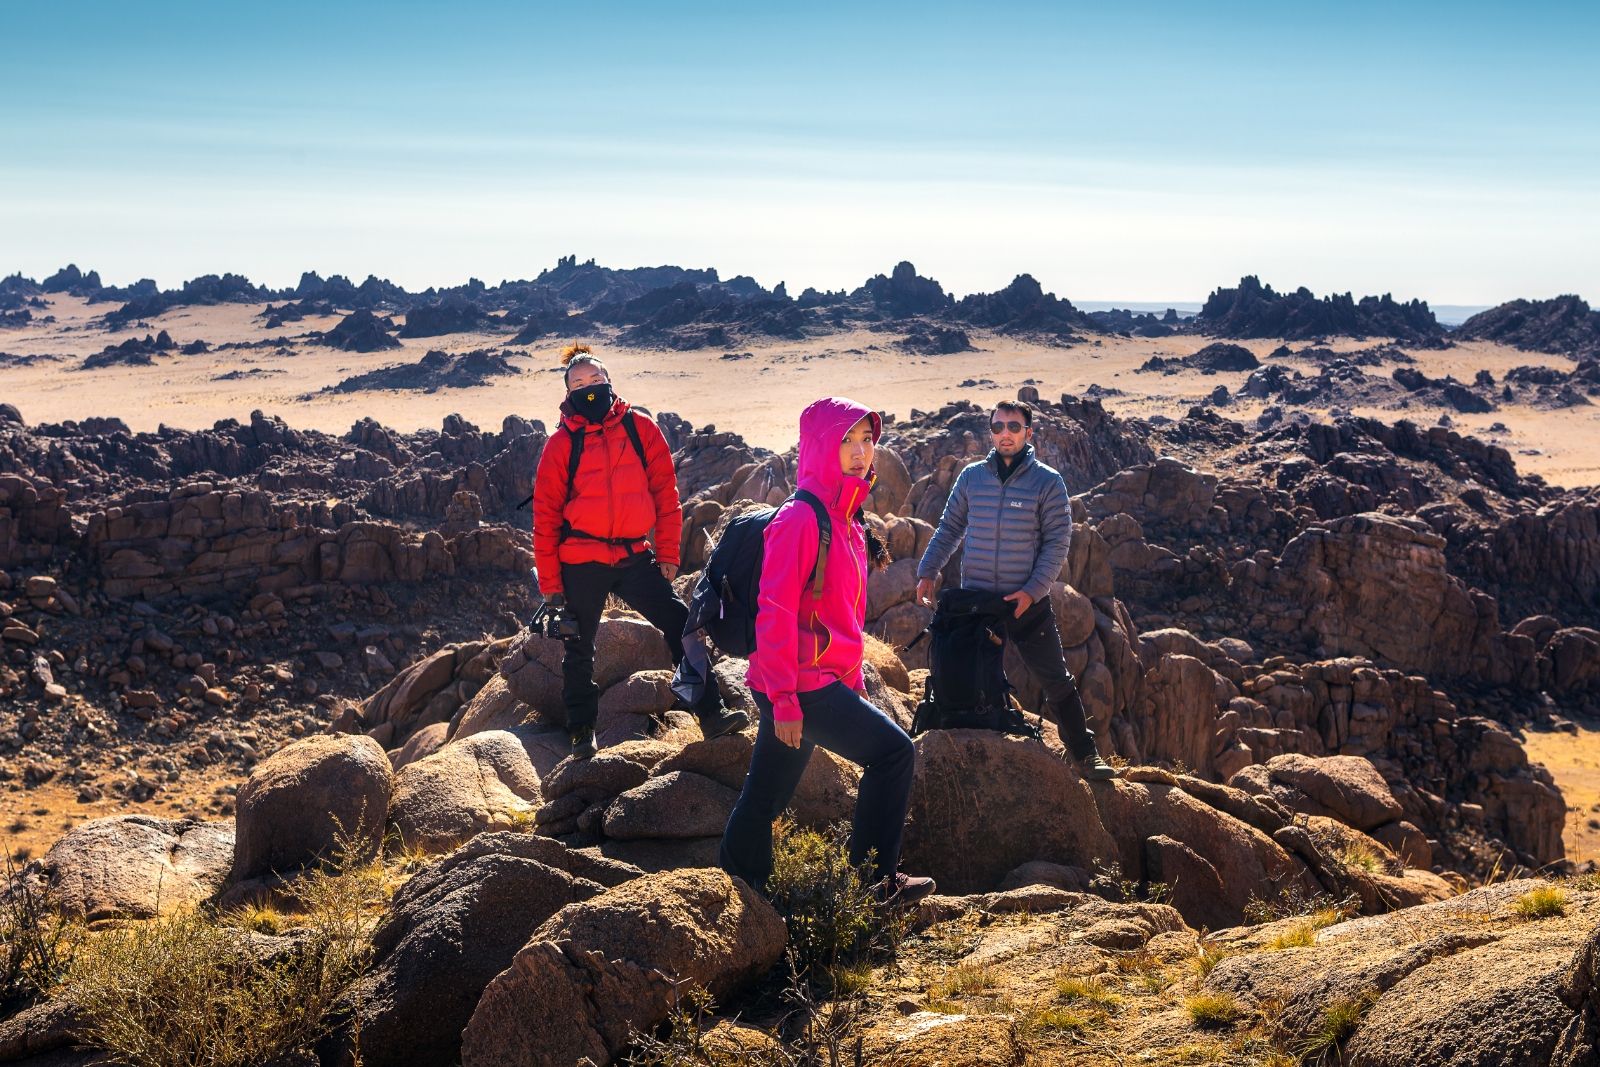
(592, 401)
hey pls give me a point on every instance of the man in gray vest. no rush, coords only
(1010, 515)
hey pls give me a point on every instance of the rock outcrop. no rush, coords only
(449, 931)
(305, 799)
(134, 866)
(616, 964)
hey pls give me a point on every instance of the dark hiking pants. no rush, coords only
(843, 722)
(639, 583)
(1039, 643)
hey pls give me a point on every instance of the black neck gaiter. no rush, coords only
(592, 401)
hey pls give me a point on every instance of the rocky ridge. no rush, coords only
(1287, 739)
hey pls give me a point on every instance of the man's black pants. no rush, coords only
(639, 583)
(1039, 643)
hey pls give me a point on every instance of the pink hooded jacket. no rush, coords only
(805, 643)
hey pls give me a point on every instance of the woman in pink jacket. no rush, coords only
(805, 672)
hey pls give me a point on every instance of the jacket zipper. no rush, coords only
(818, 649)
(1000, 521)
(850, 518)
(1005, 487)
(611, 501)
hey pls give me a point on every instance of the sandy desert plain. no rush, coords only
(757, 397)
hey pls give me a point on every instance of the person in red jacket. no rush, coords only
(805, 672)
(605, 481)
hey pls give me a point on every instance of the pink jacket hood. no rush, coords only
(823, 425)
(805, 643)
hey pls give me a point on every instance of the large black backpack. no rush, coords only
(967, 687)
(724, 599)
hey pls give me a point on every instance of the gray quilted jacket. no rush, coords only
(1015, 533)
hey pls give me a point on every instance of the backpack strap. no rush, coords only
(632, 429)
(824, 539)
(574, 457)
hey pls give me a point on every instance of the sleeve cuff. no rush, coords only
(787, 709)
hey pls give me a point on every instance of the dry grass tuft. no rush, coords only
(1207, 958)
(37, 943)
(1300, 935)
(1213, 1010)
(1087, 990)
(962, 980)
(1339, 1020)
(194, 988)
(1545, 902)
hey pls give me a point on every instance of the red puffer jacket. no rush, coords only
(613, 495)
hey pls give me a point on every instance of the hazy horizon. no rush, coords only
(1442, 153)
(1448, 314)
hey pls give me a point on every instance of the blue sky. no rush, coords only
(1133, 151)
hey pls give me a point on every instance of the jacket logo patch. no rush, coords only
(1016, 504)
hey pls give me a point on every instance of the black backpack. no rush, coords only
(724, 599)
(967, 687)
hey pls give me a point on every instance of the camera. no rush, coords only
(553, 621)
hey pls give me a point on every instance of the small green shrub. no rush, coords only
(811, 1035)
(1586, 882)
(1108, 881)
(827, 904)
(1292, 901)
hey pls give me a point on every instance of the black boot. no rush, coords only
(715, 718)
(722, 723)
(582, 742)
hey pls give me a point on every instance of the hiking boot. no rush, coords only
(583, 742)
(1096, 769)
(723, 723)
(903, 890)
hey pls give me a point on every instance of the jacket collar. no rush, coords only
(1005, 472)
(577, 423)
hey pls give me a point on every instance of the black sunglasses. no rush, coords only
(1001, 427)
